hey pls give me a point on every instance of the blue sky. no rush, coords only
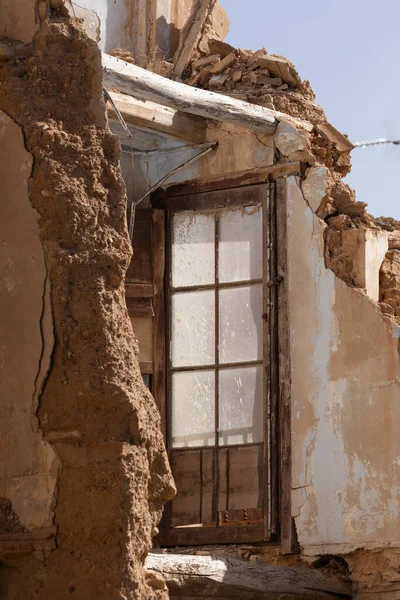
(350, 51)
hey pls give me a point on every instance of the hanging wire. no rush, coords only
(125, 127)
(176, 149)
(178, 168)
(208, 147)
(378, 142)
(73, 8)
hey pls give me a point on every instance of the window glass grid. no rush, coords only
(219, 363)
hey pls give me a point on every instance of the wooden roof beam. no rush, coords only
(146, 86)
(148, 115)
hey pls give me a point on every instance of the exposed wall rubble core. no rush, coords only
(94, 409)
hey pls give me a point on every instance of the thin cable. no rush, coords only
(125, 127)
(177, 149)
(377, 142)
(73, 8)
(168, 175)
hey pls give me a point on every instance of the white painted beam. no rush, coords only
(144, 85)
(161, 119)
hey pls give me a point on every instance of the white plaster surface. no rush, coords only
(28, 465)
(291, 142)
(315, 186)
(116, 22)
(345, 401)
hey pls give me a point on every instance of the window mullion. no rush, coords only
(216, 308)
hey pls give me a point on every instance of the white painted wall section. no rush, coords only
(345, 401)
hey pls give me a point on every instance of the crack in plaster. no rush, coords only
(38, 391)
(261, 142)
(301, 487)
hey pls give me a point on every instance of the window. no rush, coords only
(217, 366)
(206, 278)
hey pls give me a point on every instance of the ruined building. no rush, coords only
(240, 366)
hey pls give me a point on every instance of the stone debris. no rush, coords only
(123, 55)
(389, 282)
(252, 74)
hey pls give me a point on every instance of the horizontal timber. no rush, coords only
(189, 576)
(145, 85)
(162, 119)
(226, 181)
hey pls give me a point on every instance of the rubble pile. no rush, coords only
(257, 77)
(389, 277)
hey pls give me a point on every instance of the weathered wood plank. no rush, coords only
(218, 199)
(149, 115)
(287, 528)
(190, 577)
(229, 534)
(159, 332)
(146, 367)
(226, 181)
(139, 290)
(141, 268)
(143, 329)
(139, 307)
(190, 42)
(144, 85)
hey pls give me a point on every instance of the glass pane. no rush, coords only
(240, 244)
(241, 405)
(193, 409)
(240, 324)
(193, 257)
(193, 329)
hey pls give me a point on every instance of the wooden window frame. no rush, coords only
(192, 197)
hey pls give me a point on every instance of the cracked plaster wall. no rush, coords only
(345, 401)
(29, 465)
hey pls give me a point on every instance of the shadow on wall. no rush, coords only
(118, 26)
(167, 39)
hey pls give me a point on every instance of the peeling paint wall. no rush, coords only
(345, 401)
(28, 467)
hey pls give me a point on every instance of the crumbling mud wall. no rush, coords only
(92, 417)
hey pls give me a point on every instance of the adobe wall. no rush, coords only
(84, 473)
